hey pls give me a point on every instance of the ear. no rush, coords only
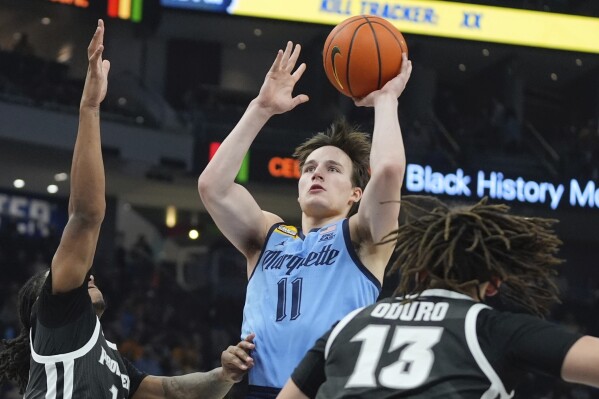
(493, 287)
(356, 194)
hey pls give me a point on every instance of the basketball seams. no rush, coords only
(349, 52)
(378, 52)
(393, 32)
(330, 40)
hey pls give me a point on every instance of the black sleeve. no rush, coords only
(69, 318)
(535, 344)
(58, 310)
(135, 376)
(309, 374)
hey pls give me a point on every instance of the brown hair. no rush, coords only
(460, 247)
(347, 138)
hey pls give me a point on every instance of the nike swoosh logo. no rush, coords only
(335, 52)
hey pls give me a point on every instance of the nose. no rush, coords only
(317, 174)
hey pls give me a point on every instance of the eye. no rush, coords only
(309, 168)
(333, 169)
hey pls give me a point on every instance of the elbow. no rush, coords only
(204, 186)
(212, 187)
(90, 215)
(391, 171)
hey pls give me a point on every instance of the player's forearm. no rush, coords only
(210, 385)
(87, 197)
(387, 141)
(220, 173)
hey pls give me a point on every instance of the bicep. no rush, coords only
(75, 254)
(378, 213)
(581, 364)
(239, 217)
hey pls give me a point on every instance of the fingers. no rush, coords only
(249, 338)
(406, 65)
(286, 55)
(300, 99)
(96, 55)
(299, 72)
(294, 56)
(236, 358)
(106, 66)
(277, 64)
(97, 39)
(287, 59)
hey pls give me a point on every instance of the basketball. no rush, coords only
(363, 53)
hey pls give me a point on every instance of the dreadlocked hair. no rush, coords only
(350, 140)
(14, 353)
(461, 247)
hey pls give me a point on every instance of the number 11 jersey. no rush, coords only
(300, 287)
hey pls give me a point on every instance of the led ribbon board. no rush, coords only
(126, 9)
(430, 17)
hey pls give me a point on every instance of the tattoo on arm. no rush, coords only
(197, 385)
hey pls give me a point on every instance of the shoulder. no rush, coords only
(271, 221)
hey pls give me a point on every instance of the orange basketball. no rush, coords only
(363, 53)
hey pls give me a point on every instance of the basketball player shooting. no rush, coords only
(303, 279)
(68, 356)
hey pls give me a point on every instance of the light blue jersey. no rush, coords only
(300, 287)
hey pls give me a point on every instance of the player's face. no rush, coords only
(96, 296)
(325, 187)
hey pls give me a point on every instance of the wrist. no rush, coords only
(385, 99)
(222, 375)
(258, 108)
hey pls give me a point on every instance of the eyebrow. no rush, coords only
(328, 162)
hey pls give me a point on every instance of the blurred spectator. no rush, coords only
(22, 45)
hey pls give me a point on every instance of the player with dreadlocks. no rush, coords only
(437, 338)
(61, 351)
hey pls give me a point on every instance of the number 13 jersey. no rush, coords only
(441, 345)
(300, 287)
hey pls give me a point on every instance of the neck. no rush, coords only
(310, 222)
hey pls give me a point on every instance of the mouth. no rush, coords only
(316, 187)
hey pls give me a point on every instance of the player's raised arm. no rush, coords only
(232, 207)
(87, 202)
(379, 207)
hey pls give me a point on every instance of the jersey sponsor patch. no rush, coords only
(328, 230)
(289, 230)
(327, 233)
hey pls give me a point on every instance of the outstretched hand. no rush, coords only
(276, 94)
(393, 88)
(236, 360)
(96, 81)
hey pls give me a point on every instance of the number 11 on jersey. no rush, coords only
(296, 298)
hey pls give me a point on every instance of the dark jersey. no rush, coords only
(441, 345)
(70, 358)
